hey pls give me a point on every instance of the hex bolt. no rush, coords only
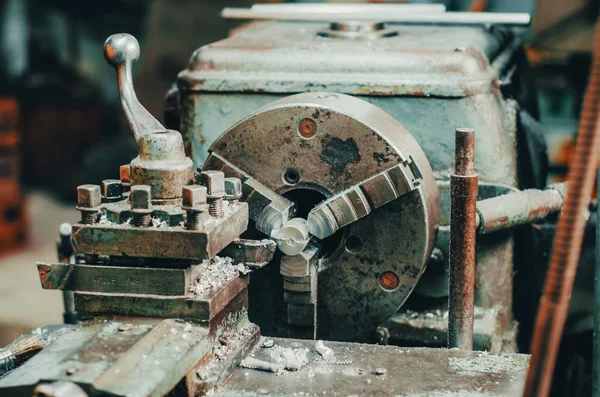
(194, 199)
(233, 190)
(215, 183)
(112, 190)
(141, 206)
(89, 200)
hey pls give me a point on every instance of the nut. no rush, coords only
(215, 182)
(112, 190)
(233, 188)
(140, 197)
(88, 196)
(194, 197)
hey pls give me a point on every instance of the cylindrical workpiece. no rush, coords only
(463, 230)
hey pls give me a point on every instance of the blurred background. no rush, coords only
(61, 123)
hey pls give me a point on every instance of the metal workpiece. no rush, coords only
(393, 16)
(355, 150)
(89, 199)
(519, 208)
(194, 202)
(292, 237)
(463, 231)
(161, 162)
(215, 183)
(336, 8)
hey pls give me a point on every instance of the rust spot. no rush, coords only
(389, 280)
(307, 128)
(339, 153)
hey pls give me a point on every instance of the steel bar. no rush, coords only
(556, 297)
(519, 208)
(453, 18)
(463, 216)
(333, 8)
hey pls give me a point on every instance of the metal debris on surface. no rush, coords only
(328, 355)
(262, 365)
(290, 359)
(218, 272)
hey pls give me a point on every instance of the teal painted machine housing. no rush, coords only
(432, 79)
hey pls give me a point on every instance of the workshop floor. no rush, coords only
(24, 305)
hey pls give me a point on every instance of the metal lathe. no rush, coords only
(288, 231)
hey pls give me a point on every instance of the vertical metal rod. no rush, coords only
(554, 303)
(463, 230)
(596, 337)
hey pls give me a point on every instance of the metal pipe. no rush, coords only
(519, 208)
(451, 18)
(555, 299)
(336, 8)
(463, 230)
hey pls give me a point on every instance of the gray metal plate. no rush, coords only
(408, 372)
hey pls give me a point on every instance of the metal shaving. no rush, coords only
(255, 363)
(290, 359)
(218, 272)
(328, 355)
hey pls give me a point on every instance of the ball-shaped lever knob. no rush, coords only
(121, 47)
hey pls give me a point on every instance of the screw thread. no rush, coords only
(90, 217)
(142, 220)
(194, 220)
(215, 208)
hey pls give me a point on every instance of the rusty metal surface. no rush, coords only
(519, 208)
(189, 307)
(119, 357)
(213, 370)
(253, 253)
(115, 279)
(292, 57)
(354, 142)
(558, 287)
(430, 328)
(408, 372)
(463, 214)
(161, 163)
(162, 241)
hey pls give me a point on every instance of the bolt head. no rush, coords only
(214, 181)
(194, 196)
(88, 196)
(112, 189)
(233, 188)
(140, 197)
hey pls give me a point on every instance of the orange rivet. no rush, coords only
(389, 280)
(307, 128)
